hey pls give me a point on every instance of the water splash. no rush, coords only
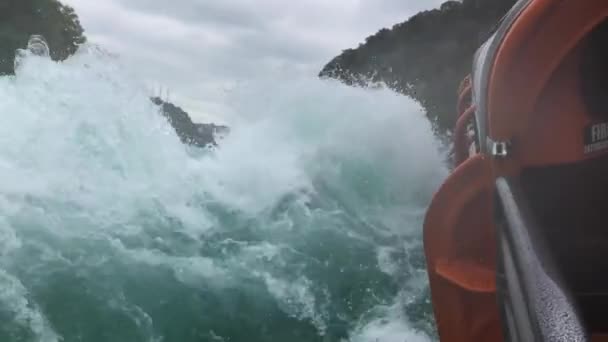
(304, 225)
(38, 46)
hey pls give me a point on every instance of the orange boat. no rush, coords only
(516, 239)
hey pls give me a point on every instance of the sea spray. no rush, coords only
(304, 225)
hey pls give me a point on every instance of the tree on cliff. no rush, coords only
(19, 19)
(424, 57)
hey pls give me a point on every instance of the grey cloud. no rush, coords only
(220, 14)
(196, 47)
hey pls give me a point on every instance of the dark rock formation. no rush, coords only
(212, 130)
(424, 57)
(200, 135)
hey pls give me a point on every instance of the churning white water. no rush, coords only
(304, 225)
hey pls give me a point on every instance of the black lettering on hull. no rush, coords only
(596, 137)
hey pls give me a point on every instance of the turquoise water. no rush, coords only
(305, 225)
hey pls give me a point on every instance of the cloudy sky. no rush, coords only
(199, 48)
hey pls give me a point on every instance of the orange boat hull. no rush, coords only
(525, 92)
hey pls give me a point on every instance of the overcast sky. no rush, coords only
(198, 48)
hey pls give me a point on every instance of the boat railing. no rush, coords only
(535, 303)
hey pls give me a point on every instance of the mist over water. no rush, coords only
(304, 225)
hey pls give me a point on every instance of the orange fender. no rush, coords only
(459, 235)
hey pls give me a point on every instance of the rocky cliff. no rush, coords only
(424, 57)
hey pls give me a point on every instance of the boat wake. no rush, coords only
(304, 225)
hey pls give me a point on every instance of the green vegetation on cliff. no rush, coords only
(424, 57)
(19, 19)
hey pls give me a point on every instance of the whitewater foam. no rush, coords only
(305, 222)
(14, 300)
